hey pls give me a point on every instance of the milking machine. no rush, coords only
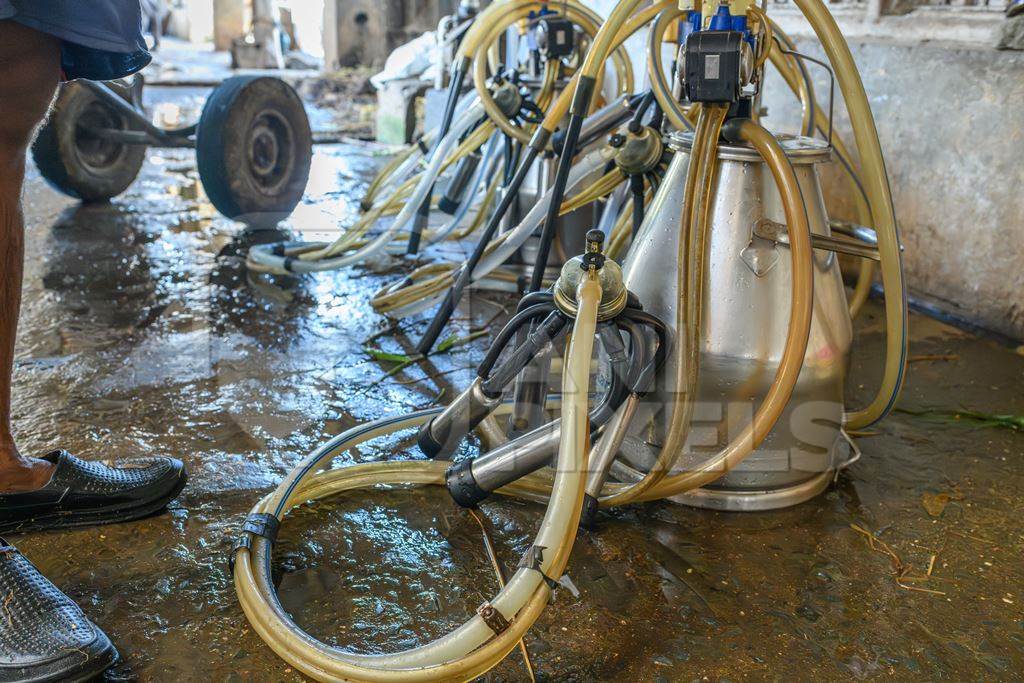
(482, 170)
(253, 144)
(721, 345)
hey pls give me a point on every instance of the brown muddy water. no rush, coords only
(143, 334)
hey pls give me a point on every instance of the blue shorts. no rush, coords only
(100, 39)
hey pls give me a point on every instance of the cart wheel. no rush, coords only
(253, 149)
(77, 162)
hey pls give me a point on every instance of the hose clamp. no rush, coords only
(260, 524)
(533, 558)
(494, 619)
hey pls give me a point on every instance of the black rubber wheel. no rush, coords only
(78, 163)
(254, 149)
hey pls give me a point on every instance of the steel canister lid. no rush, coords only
(799, 149)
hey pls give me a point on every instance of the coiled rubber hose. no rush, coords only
(474, 647)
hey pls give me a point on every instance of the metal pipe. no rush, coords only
(490, 433)
(862, 247)
(860, 232)
(471, 481)
(602, 456)
(441, 436)
(105, 93)
(138, 137)
(843, 245)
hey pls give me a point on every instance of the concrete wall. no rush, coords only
(364, 32)
(231, 20)
(951, 122)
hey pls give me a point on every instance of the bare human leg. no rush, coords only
(29, 74)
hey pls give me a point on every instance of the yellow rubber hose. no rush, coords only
(876, 186)
(675, 114)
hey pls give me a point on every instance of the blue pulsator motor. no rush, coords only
(722, 20)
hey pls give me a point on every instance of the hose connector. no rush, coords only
(613, 290)
(462, 485)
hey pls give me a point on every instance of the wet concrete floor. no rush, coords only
(143, 334)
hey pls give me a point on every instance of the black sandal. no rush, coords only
(43, 635)
(83, 493)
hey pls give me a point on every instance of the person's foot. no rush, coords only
(80, 493)
(22, 474)
(44, 636)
